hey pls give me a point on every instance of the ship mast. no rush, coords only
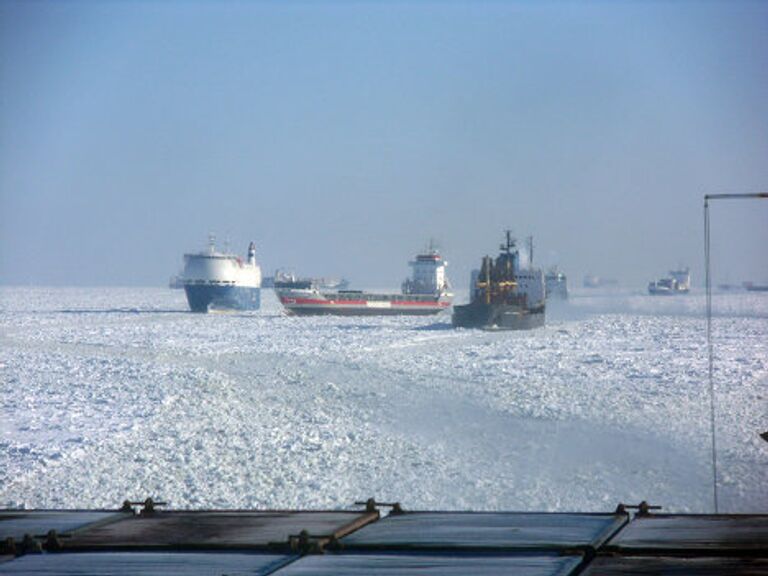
(509, 244)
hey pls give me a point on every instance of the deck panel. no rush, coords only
(145, 564)
(217, 529)
(486, 530)
(721, 534)
(425, 564)
(16, 523)
(677, 566)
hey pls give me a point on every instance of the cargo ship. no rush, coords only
(219, 281)
(426, 292)
(504, 296)
(678, 282)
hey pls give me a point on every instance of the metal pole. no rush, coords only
(707, 198)
(709, 353)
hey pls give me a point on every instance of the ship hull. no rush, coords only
(203, 298)
(654, 291)
(497, 317)
(362, 304)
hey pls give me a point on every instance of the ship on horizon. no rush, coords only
(283, 277)
(752, 287)
(426, 292)
(556, 284)
(594, 281)
(678, 282)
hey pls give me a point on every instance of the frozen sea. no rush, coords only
(115, 393)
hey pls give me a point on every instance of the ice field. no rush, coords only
(112, 393)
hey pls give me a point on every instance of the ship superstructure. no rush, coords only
(426, 292)
(428, 276)
(220, 281)
(503, 295)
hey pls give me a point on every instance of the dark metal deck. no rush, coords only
(291, 543)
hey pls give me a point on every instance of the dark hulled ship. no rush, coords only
(503, 295)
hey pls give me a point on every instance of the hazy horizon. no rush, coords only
(342, 137)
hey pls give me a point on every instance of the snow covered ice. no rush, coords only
(110, 394)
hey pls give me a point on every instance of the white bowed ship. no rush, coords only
(426, 292)
(218, 281)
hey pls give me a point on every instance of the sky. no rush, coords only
(342, 136)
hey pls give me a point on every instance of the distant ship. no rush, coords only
(752, 287)
(219, 281)
(678, 282)
(332, 283)
(426, 292)
(176, 282)
(503, 295)
(592, 281)
(556, 284)
(284, 278)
